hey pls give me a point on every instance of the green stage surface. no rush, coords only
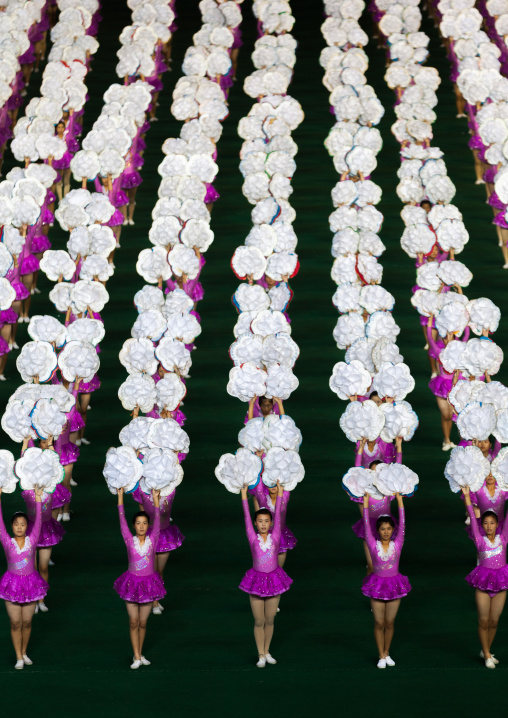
(201, 648)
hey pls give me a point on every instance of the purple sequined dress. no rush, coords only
(51, 531)
(266, 578)
(377, 508)
(140, 583)
(21, 583)
(170, 536)
(491, 575)
(386, 583)
(287, 538)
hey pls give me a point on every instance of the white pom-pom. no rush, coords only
(280, 348)
(170, 392)
(251, 297)
(122, 469)
(47, 419)
(499, 469)
(16, 420)
(86, 295)
(393, 381)
(78, 360)
(252, 435)
(349, 327)
(39, 467)
(270, 322)
(467, 466)
(382, 324)
(482, 355)
(183, 261)
(149, 325)
(138, 391)
(246, 381)
(483, 315)
(283, 466)
(393, 479)
(359, 481)
(281, 431)
(362, 420)
(400, 420)
(247, 348)
(47, 329)
(56, 264)
(453, 318)
(161, 471)
(476, 421)
(238, 470)
(183, 326)
(37, 360)
(135, 434)
(167, 434)
(173, 356)
(452, 273)
(153, 265)
(385, 350)
(350, 379)
(8, 480)
(280, 382)
(248, 262)
(87, 330)
(138, 355)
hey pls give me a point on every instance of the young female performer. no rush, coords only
(378, 450)
(266, 497)
(170, 536)
(266, 580)
(21, 586)
(262, 406)
(490, 497)
(385, 586)
(489, 578)
(140, 585)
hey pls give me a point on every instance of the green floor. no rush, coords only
(202, 650)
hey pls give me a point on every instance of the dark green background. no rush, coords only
(202, 650)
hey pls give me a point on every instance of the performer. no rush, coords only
(266, 497)
(378, 450)
(385, 586)
(140, 585)
(266, 580)
(489, 578)
(170, 536)
(490, 497)
(21, 586)
(262, 406)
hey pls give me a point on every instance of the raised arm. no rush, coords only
(432, 344)
(369, 538)
(359, 452)
(156, 528)
(250, 414)
(277, 523)
(474, 524)
(280, 405)
(249, 528)
(124, 529)
(401, 532)
(5, 539)
(398, 446)
(37, 526)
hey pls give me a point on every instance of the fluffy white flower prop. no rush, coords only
(385, 351)
(392, 479)
(400, 420)
(37, 360)
(39, 467)
(138, 390)
(16, 420)
(183, 261)
(483, 315)
(452, 356)
(455, 272)
(466, 466)
(8, 480)
(183, 326)
(197, 233)
(361, 350)
(359, 481)
(153, 265)
(47, 419)
(57, 263)
(173, 356)
(161, 471)
(122, 469)
(499, 469)
(280, 348)
(453, 318)
(281, 264)
(87, 295)
(464, 392)
(347, 298)
(269, 322)
(78, 360)
(427, 277)
(349, 328)
(135, 434)
(177, 301)
(96, 268)
(251, 297)
(362, 420)
(47, 329)
(280, 382)
(170, 392)
(246, 381)
(394, 381)
(149, 298)
(138, 356)
(482, 355)
(382, 325)
(476, 421)
(374, 299)
(350, 379)
(149, 325)
(252, 435)
(282, 432)
(247, 348)
(238, 470)
(248, 262)
(167, 434)
(87, 330)
(283, 466)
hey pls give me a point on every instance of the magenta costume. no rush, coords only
(377, 508)
(21, 583)
(287, 538)
(266, 578)
(170, 536)
(386, 583)
(51, 531)
(442, 384)
(486, 502)
(382, 452)
(140, 583)
(491, 575)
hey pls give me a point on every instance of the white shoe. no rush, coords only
(468, 523)
(505, 266)
(27, 661)
(145, 661)
(19, 664)
(426, 348)
(482, 655)
(2, 378)
(270, 659)
(42, 607)
(480, 181)
(51, 563)
(66, 517)
(489, 663)
(278, 610)
(157, 610)
(381, 663)
(136, 664)
(37, 291)
(131, 222)
(78, 442)
(261, 662)
(448, 445)
(84, 441)
(433, 375)
(74, 483)
(15, 346)
(59, 517)
(125, 222)
(389, 661)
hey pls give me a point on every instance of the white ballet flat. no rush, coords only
(505, 266)
(15, 346)
(42, 607)
(125, 223)
(426, 348)
(131, 222)
(78, 442)
(66, 517)
(489, 663)
(145, 661)
(381, 663)
(482, 655)
(37, 291)
(59, 518)
(157, 610)
(448, 445)
(27, 661)
(261, 662)
(136, 664)
(74, 483)
(270, 659)
(19, 664)
(2, 378)
(84, 441)
(389, 661)
(433, 375)
(51, 562)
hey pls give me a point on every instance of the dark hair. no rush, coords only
(264, 398)
(261, 512)
(425, 201)
(139, 514)
(373, 393)
(19, 515)
(490, 514)
(375, 463)
(60, 122)
(385, 520)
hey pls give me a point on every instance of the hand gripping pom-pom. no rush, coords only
(359, 481)
(362, 420)
(39, 467)
(138, 391)
(238, 470)
(392, 479)
(283, 466)
(123, 469)
(467, 466)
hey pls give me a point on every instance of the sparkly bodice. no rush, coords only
(31, 504)
(264, 553)
(264, 500)
(141, 558)
(166, 504)
(22, 561)
(385, 563)
(486, 502)
(491, 554)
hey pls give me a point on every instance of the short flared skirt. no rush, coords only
(265, 585)
(40, 244)
(76, 421)
(288, 540)
(69, 454)
(490, 580)
(29, 265)
(359, 528)
(61, 496)
(51, 533)
(441, 386)
(169, 539)
(8, 316)
(140, 589)
(4, 347)
(90, 386)
(131, 179)
(387, 588)
(64, 163)
(115, 220)
(211, 194)
(22, 589)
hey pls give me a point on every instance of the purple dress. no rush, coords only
(486, 502)
(266, 578)
(287, 538)
(21, 583)
(140, 583)
(382, 452)
(377, 508)
(51, 531)
(386, 583)
(170, 536)
(491, 575)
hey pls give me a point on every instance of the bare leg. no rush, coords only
(271, 606)
(370, 567)
(27, 612)
(281, 558)
(14, 613)
(390, 612)
(378, 610)
(44, 556)
(483, 602)
(67, 483)
(66, 180)
(161, 560)
(257, 605)
(496, 609)
(446, 417)
(133, 613)
(144, 612)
